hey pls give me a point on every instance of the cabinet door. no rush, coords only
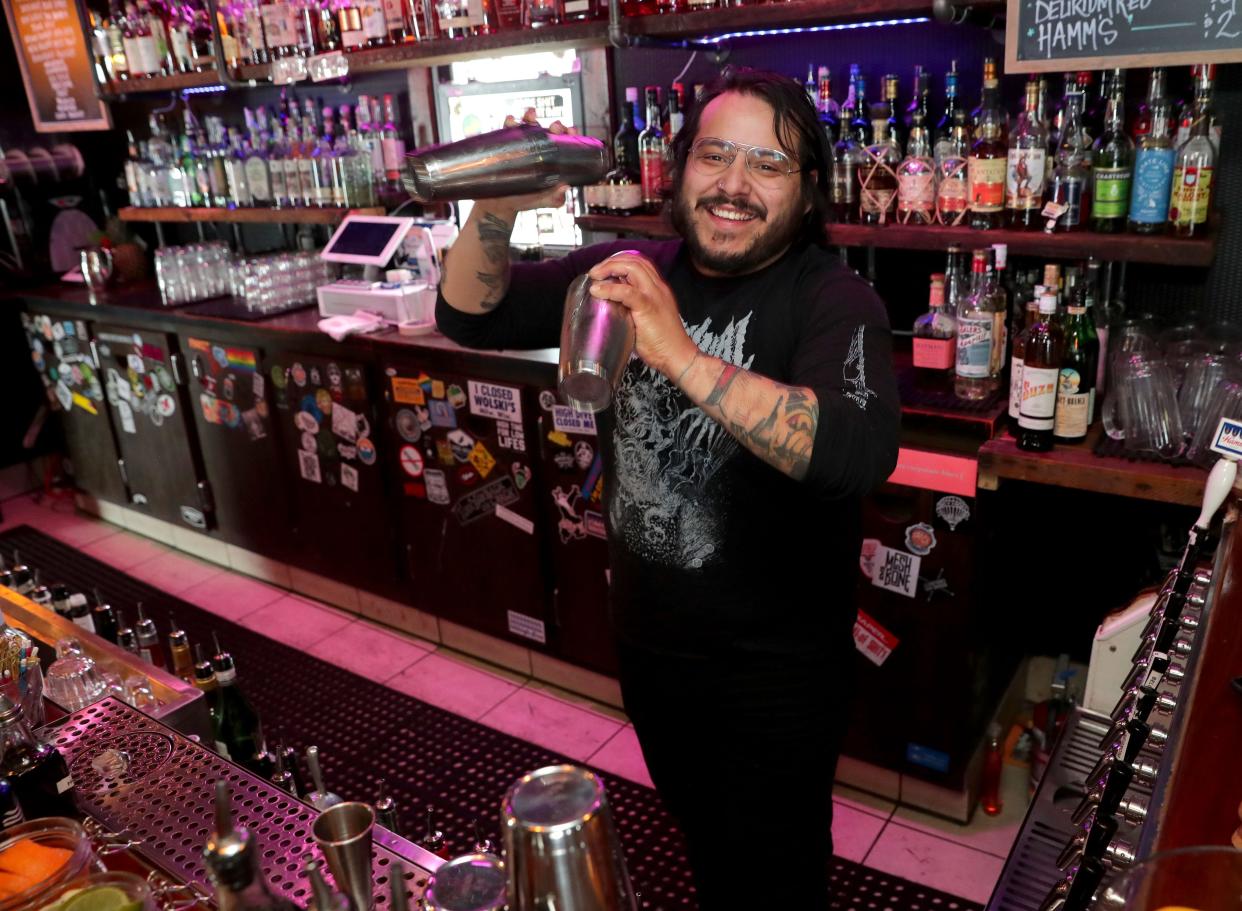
(65, 361)
(145, 387)
(342, 523)
(239, 444)
(462, 452)
(572, 497)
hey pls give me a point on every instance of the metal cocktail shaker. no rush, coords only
(561, 847)
(597, 339)
(509, 162)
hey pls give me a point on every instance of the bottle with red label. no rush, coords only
(652, 146)
(935, 341)
(1041, 373)
(989, 155)
(1195, 168)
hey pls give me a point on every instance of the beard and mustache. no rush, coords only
(779, 232)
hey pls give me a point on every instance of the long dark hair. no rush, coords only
(794, 120)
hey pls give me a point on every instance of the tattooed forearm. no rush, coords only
(494, 240)
(475, 276)
(774, 421)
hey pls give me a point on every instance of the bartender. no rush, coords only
(761, 407)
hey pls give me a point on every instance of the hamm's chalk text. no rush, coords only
(1081, 25)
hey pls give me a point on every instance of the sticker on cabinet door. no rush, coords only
(488, 400)
(920, 539)
(583, 454)
(547, 400)
(936, 586)
(482, 460)
(571, 527)
(896, 571)
(349, 477)
(166, 405)
(411, 461)
(308, 466)
(345, 423)
(407, 425)
(437, 389)
(437, 487)
(127, 417)
(462, 444)
(866, 559)
(570, 420)
(366, 451)
(510, 436)
(872, 640)
(64, 396)
(441, 414)
(521, 475)
(254, 424)
(517, 520)
(594, 524)
(257, 385)
(298, 372)
(323, 400)
(953, 510)
(84, 403)
(456, 396)
(527, 627)
(482, 502)
(305, 422)
(315, 378)
(406, 391)
(135, 363)
(334, 376)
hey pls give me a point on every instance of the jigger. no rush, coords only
(343, 834)
(597, 339)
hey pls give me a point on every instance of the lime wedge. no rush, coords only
(102, 898)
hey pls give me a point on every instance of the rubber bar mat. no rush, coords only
(1107, 447)
(427, 756)
(911, 394)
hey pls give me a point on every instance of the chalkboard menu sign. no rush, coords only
(1046, 35)
(56, 66)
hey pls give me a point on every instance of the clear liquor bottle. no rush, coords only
(1026, 175)
(180, 17)
(392, 145)
(989, 154)
(1154, 160)
(280, 29)
(257, 177)
(977, 369)
(1112, 165)
(1068, 193)
(916, 177)
(162, 61)
(829, 109)
(952, 172)
(118, 61)
(847, 155)
(896, 132)
(235, 172)
(949, 124)
(861, 123)
(277, 170)
(1194, 172)
(877, 177)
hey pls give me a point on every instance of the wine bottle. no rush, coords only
(238, 735)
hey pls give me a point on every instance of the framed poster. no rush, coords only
(56, 66)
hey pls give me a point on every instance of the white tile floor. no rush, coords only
(962, 860)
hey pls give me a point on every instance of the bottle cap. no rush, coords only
(1047, 303)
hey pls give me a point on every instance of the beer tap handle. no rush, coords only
(1219, 483)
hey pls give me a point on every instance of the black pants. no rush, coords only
(743, 748)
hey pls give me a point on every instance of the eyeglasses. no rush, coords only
(711, 156)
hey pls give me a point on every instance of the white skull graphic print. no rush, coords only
(666, 458)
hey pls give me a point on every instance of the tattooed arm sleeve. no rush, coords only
(775, 422)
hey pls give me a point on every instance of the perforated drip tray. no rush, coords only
(1031, 870)
(142, 779)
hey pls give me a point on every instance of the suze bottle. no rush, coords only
(1041, 372)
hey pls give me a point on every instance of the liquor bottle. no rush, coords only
(1077, 377)
(1193, 174)
(978, 375)
(358, 157)
(1156, 94)
(1026, 176)
(919, 99)
(935, 341)
(289, 757)
(100, 51)
(652, 146)
(989, 72)
(370, 143)
(895, 131)
(135, 39)
(280, 28)
(105, 618)
(148, 639)
(916, 177)
(989, 155)
(625, 143)
(235, 172)
(998, 283)
(322, 160)
(374, 23)
(182, 662)
(258, 180)
(277, 172)
(1112, 165)
(1097, 336)
(847, 155)
(993, 766)
(810, 85)
(582, 10)
(861, 123)
(956, 279)
(1068, 190)
(676, 119)
(1041, 369)
(1203, 77)
(162, 60)
(349, 16)
(952, 173)
(453, 18)
(179, 41)
(877, 176)
(230, 43)
(205, 681)
(1154, 158)
(320, 798)
(306, 162)
(322, 896)
(434, 839)
(118, 61)
(328, 30)
(238, 735)
(950, 121)
(386, 811)
(251, 37)
(202, 41)
(35, 770)
(232, 861)
(1017, 357)
(1094, 104)
(829, 110)
(392, 144)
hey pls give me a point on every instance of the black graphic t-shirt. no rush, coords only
(709, 545)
